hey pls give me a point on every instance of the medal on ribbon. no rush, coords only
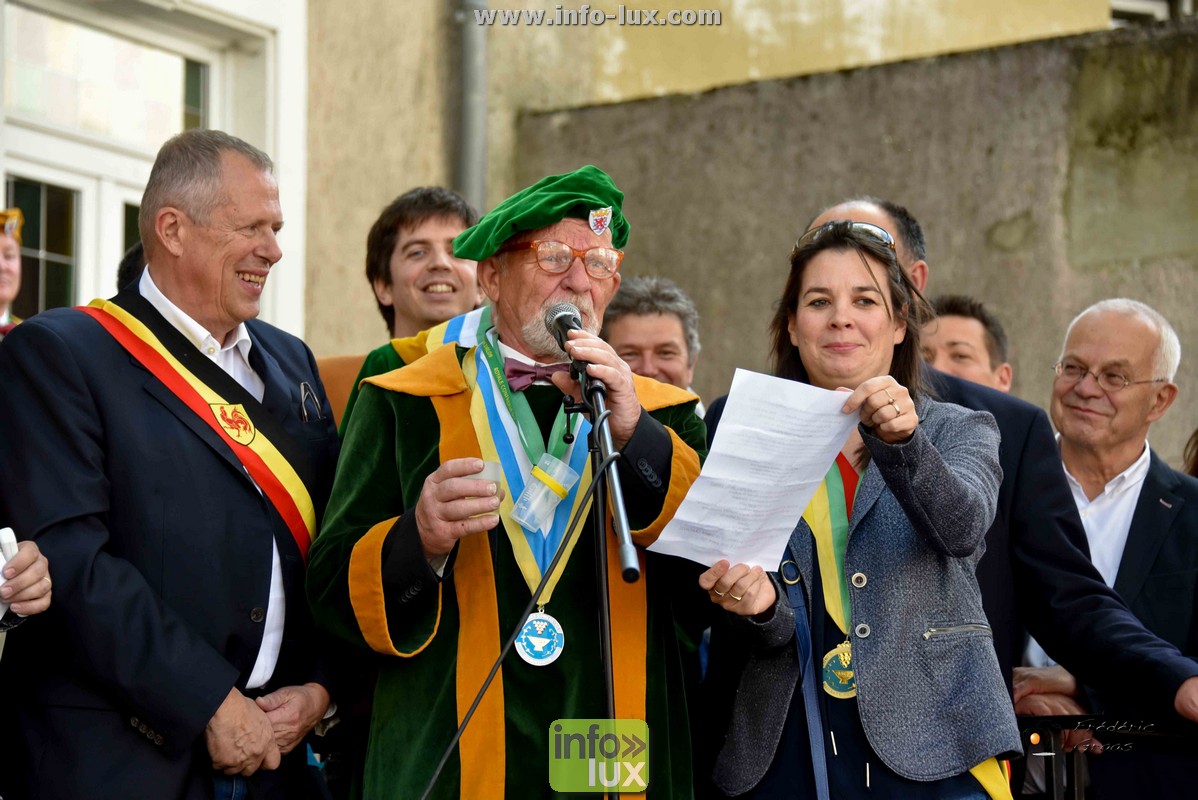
(508, 433)
(838, 671)
(541, 639)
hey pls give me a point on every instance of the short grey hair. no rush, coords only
(650, 294)
(1168, 348)
(187, 175)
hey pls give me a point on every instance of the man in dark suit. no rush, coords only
(171, 455)
(1114, 379)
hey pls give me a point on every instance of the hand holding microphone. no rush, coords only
(590, 353)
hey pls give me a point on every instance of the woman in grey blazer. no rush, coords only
(869, 669)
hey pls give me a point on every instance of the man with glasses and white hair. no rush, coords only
(1114, 379)
(423, 560)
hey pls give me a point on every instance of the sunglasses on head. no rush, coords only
(866, 229)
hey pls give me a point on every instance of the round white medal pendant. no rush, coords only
(541, 639)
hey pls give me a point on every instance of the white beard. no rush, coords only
(541, 342)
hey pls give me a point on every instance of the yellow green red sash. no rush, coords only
(232, 422)
(828, 515)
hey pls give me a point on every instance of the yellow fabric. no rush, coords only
(629, 604)
(654, 395)
(366, 592)
(438, 374)
(481, 749)
(411, 348)
(684, 469)
(993, 778)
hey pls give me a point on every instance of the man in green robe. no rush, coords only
(421, 560)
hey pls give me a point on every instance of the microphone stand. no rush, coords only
(607, 485)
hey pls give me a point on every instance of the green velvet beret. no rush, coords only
(587, 193)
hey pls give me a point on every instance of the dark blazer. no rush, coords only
(1036, 575)
(160, 549)
(1158, 577)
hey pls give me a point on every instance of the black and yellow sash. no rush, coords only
(255, 437)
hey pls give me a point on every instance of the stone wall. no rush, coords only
(1047, 176)
(384, 91)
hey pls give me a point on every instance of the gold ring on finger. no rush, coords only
(737, 599)
(897, 412)
(49, 582)
(889, 396)
(717, 591)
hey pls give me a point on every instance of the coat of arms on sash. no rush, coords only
(234, 421)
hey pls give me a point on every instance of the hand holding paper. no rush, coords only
(776, 441)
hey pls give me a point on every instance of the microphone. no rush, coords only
(560, 319)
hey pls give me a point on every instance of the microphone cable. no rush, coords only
(572, 532)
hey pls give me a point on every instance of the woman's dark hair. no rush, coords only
(903, 301)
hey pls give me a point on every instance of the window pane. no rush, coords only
(195, 95)
(27, 196)
(26, 304)
(48, 246)
(60, 221)
(84, 79)
(132, 233)
(60, 285)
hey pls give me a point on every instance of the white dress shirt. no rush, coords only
(1107, 520)
(233, 358)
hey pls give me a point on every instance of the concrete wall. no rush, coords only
(1047, 176)
(384, 93)
(381, 96)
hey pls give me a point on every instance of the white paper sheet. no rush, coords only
(776, 440)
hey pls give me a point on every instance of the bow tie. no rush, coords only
(521, 375)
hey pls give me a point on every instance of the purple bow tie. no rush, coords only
(520, 375)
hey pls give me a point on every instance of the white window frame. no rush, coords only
(85, 218)
(246, 44)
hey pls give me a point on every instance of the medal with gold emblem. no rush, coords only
(838, 671)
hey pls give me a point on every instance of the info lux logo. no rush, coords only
(599, 755)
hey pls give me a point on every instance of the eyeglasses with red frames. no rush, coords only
(867, 229)
(601, 263)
